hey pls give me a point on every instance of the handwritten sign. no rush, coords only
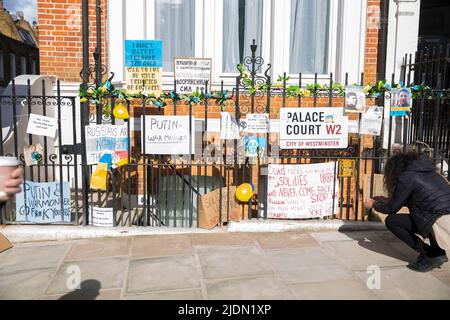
(256, 123)
(347, 168)
(302, 191)
(372, 120)
(101, 139)
(143, 53)
(313, 128)
(192, 74)
(42, 125)
(102, 217)
(208, 207)
(45, 202)
(148, 80)
(168, 135)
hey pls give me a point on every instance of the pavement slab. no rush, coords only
(191, 294)
(156, 246)
(96, 248)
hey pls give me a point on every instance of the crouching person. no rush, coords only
(411, 180)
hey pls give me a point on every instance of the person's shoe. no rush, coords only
(426, 264)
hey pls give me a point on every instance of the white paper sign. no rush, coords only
(353, 126)
(313, 128)
(229, 127)
(192, 74)
(371, 121)
(168, 135)
(302, 190)
(42, 125)
(256, 123)
(102, 217)
(104, 138)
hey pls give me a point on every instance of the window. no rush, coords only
(2, 70)
(309, 36)
(12, 64)
(33, 67)
(175, 26)
(23, 65)
(242, 22)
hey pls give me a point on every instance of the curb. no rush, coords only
(33, 233)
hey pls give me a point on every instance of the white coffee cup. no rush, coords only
(7, 166)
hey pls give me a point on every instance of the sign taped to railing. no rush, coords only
(43, 202)
(313, 128)
(191, 74)
(168, 135)
(105, 138)
(302, 190)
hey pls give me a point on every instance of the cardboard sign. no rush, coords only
(102, 217)
(143, 53)
(146, 80)
(347, 168)
(42, 125)
(103, 138)
(372, 120)
(256, 123)
(191, 74)
(208, 207)
(313, 128)
(168, 135)
(302, 190)
(44, 202)
(5, 244)
(229, 127)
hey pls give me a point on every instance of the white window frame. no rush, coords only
(346, 47)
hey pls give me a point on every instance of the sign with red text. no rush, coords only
(302, 190)
(313, 128)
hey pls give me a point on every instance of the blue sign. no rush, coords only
(143, 53)
(44, 203)
(254, 146)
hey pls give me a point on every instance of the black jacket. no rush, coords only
(425, 192)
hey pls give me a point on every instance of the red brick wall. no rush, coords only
(372, 45)
(60, 35)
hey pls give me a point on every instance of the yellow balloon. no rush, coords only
(120, 112)
(244, 192)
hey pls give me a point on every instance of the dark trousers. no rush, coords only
(403, 227)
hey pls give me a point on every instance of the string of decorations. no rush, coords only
(100, 94)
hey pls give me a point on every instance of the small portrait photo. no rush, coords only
(402, 97)
(355, 99)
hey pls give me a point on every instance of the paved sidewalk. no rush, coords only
(278, 265)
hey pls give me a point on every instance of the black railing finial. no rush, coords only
(253, 48)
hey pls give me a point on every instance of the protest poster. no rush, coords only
(229, 127)
(143, 66)
(313, 128)
(33, 154)
(105, 138)
(42, 125)
(254, 146)
(143, 53)
(372, 120)
(208, 207)
(168, 135)
(353, 126)
(256, 123)
(43, 202)
(401, 102)
(147, 80)
(355, 99)
(191, 74)
(347, 168)
(102, 217)
(302, 190)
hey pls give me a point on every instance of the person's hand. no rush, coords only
(368, 203)
(12, 185)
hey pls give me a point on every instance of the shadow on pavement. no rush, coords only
(377, 244)
(89, 290)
